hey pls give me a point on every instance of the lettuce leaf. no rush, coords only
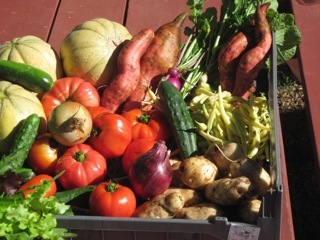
(32, 217)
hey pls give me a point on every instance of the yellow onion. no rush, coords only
(70, 123)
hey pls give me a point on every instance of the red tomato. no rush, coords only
(70, 89)
(111, 134)
(44, 154)
(112, 200)
(150, 125)
(83, 166)
(27, 187)
(96, 110)
(134, 150)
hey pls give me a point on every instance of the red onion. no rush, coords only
(175, 81)
(151, 174)
(173, 72)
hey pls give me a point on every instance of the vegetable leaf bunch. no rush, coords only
(32, 217)
(210, 33)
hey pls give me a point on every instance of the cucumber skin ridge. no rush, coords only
(178, 115)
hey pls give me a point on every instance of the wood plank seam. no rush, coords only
(126, 13)
(54, 19)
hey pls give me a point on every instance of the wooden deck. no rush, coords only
(52, 20)
(307, 16)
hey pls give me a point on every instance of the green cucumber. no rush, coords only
(181, 124)
(21, 146)
(29, 77)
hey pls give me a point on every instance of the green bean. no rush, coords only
(210, 137)
(211, 118)
(243, 132)
(205, 111)
(201, 126)
(222, 118)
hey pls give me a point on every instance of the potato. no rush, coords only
(223, 156)
(249, 211)
(162, 206)
(176, 180)
(201, 211)
(230, 191)
(254, 171)
(191, 196)
(197, 172)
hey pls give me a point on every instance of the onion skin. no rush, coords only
(175, 81)
(70, 123)
(151, 174)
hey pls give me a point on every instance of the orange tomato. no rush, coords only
(134, 150)
(96, 110)
(28, 187)
(44, 154)
(151, 125)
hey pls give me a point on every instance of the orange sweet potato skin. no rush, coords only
(162, 54)
(229, 57)
(252, 61)
(128, 71)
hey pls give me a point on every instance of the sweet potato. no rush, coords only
(201, 211)
(229, 57)
(128, 71)
(162, 54)
(252, 61)
(162, 206)
(230, 191)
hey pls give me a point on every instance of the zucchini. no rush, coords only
(29, 77)
(178, 115)
(21, 146)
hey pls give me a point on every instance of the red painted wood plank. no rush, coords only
(74, 12)
(287, 230)
(20, 18)
(152, 14)
(307, 17)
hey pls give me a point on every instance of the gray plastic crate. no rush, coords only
(268, 226)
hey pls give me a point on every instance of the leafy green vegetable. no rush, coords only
(32, 217)
(200, 53)
(68, 195)
(288, 35)
(21, 146)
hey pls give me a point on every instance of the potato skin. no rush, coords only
(191, 196)
(162, 206)
(249, 211)
(201, 211)
(176, 180)
(230, 191)
(254, 171)
(223, 156)
(197, 172)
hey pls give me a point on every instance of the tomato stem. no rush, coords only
(79, 156)
(144, 118)
(95, 131)
(112, 187)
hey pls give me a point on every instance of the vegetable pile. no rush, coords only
(175, 130)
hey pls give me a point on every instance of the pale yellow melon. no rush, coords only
(33, 51)
(90, 50)
(16, 104)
